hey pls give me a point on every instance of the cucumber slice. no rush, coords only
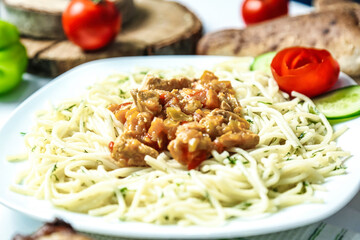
(262, 63)
(340, 103)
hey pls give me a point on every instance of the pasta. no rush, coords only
(69, 163)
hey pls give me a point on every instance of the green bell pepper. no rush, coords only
(13, 57)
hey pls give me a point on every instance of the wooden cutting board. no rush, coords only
(157, 28)
(42, 18)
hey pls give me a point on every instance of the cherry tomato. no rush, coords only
(308, 71)
(91, 24)
(254, 11)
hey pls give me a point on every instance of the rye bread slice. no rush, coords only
(336, 30)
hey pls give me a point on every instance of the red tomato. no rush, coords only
(308, 71)
(254, 11)
(91, 24)
(196, 158)
(111, 146)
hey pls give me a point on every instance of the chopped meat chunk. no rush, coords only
(146, 101)
(229, 116)
(212, 100)
(218, 122)
(191, 145)
(152, 83)
(209, 81)
(169, 99)
(191, 99)
(244, 139)
(213, 125)
(229, 103)
(189, 118)
(171, 127)
(200, 114)
(137, 123)
(158, 134)
(177, 115)
(208, 77)
(120, 110)
(228, 130)
(129, 152)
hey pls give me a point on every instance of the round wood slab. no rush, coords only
(157, 28)
(42, 18)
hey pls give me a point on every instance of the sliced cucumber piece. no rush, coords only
(340, 103)
(262, 63)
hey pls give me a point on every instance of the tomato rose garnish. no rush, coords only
(308, 71)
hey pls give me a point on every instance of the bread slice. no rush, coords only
(321, 5)
(336, 30)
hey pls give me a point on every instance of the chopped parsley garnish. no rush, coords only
(303, 188)
(339, 167)
(268, 103)
(52, 172)
(123, 80)
(301, 136)
(314, 153)
(232, 160)
(56, 177)
(123, 191)
(313, 110)
(54, 168)
(244, 205)
(69, 108)
(206, 196)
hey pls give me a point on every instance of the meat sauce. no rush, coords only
(189, 118)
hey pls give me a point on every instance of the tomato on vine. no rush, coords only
(91, 24)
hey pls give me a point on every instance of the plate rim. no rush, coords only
(186, 234)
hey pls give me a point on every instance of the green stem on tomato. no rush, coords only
(96, 1)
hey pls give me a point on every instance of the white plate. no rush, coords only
(341, 189)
